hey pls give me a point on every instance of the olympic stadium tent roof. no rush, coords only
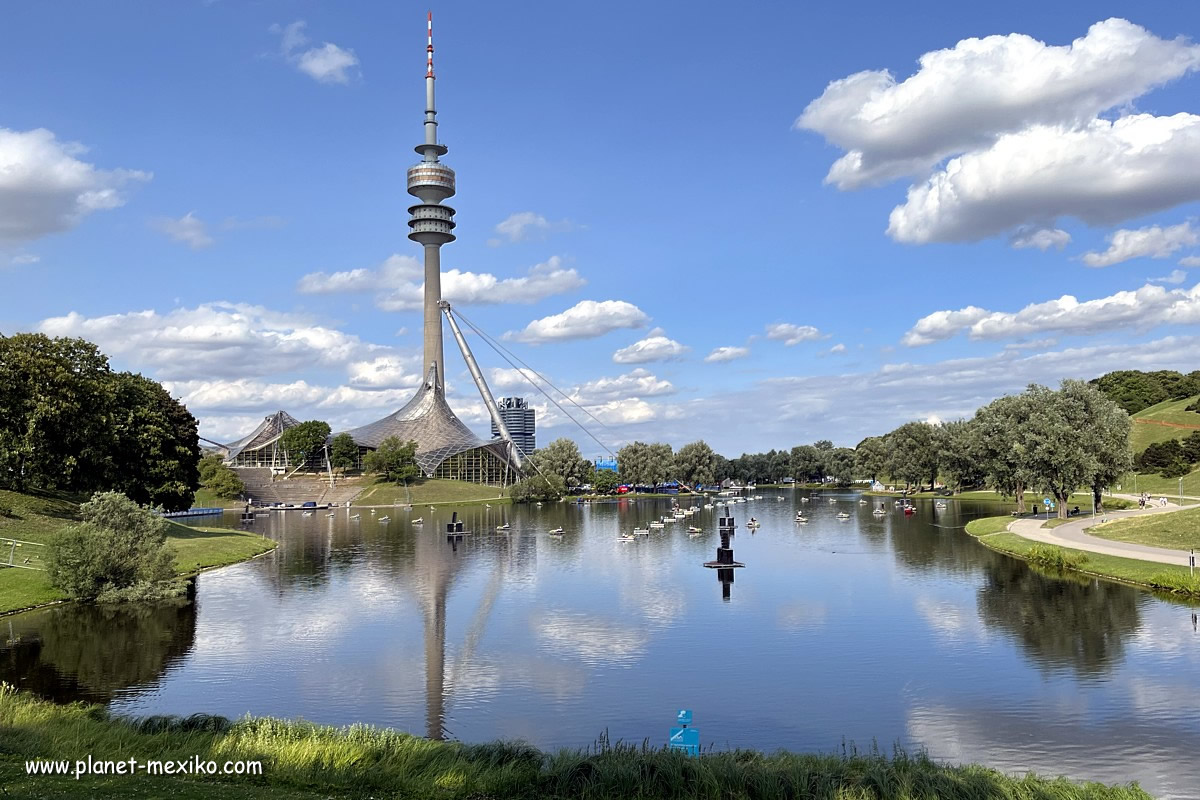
(427, 420)
(268, 431)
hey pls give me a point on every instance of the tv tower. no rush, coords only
(432, 223)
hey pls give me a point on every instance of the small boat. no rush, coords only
(307, 514)
(832, 500)
(692, 529)
(503, 527)
(641, 531)
(780, 497)
(758, 497)
(939, 504)
(372, 512)
(879, 512)
(418, 521)
(802, 520)
(331, 516)
(625, 538)
(657, 524)
(843, 515)
(487, 505)
(708, 506)
(862, 502)
(538, 504)
(805, 500)
(557, 532)
(910, 509)
(356, 516)
(753, 523)
(384, 519)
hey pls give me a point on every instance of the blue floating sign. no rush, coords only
(686, 740)
(684, 717)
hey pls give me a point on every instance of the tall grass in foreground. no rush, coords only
(343, 761)
(1051, 557)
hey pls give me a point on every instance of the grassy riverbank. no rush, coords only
(37, 517)
(993, 532)
(433, 490)
(1179, 530)
(1032, 499)
(301, 760)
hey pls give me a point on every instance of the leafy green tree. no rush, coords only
(119, 547)
(913, 454)
(695, 463)
(958, 465)
(153, 460)
(779, 463)
(1105, 437)
(1000, 446)
(561, 457)
(225, 483)
(645, 464)
(870, 458)
(660, 460)
(604, 481)
(722, 468)
(302, 442)
(208, 465)
(537, 488)
(806, 463)
(343, 452)
(55, 401)
(394, 460)
(823, 445)
(1191, 448)
(1057, 453)
(839, 463)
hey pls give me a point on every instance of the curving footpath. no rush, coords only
(1072, 535)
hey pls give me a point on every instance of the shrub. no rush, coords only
(1055, 557)
(224, 483)
(1176, 583)
(1176, 469)
(5, 509)
(119, 552)
(537, 488)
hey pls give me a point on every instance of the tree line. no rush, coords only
(69, 422)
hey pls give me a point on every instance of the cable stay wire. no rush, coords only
(501, 351)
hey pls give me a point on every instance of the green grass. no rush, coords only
(304, 760)
(1179, 530)
(433, 490)
(1157, 485)
(37, 517)
(1144, 435)
(1032, 499)
(1054, 523)
(1052, 557)
(991, 532)
(206, 499)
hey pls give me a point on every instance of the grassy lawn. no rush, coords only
(206, 499)
(304, 760)
(38, 517)
(1156, 484)
(1144, 434)
(1179, 530)
(433, 490)
(1081, 499)
(1128, 570)
(1054, 523)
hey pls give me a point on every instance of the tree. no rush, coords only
(839, 464)
(695, 463)
(119, 551)
(805, 464)
(778, 462)
(870, 457)
(1058, 453)
(913, 454)
(208, 465)
(302, 442)
(1105, 437)
(823, 445)
(644, 464)
(561, 458)
(393, 460)
(343, 452)
(225, 483)
(1000, 447)
(154, 459)
(659, 462)
(537, 488)
(957, 460)
(604, 481)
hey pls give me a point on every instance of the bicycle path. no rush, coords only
(1071, 534)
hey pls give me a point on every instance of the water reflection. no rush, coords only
(90, 652)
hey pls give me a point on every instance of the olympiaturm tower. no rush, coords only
(432, 223)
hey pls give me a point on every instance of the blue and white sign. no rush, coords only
(1046, 501)
(684, 717)
(686, 740)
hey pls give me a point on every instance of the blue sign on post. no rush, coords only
(684, 738)
(1046, 501)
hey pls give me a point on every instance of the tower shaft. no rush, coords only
(434, 355)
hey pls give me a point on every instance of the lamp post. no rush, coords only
(1181, 492)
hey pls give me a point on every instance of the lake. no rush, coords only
(887, 630)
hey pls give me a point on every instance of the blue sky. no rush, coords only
(758, 225)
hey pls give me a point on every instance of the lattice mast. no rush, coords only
(432, 223)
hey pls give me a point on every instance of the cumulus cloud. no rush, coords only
(326, 63)
(726, 354)
(526, 225)
(1041, 238)
(1176, 276)
(1102, 172)
(586, 319)
(221, 340)
(655, 347)
(1151, 242)
(385, 372)
(791, 334)
(964, 98)
(482, 288)
(188, 229)
(634, 384)
(1190, 261)
(45, 188)
(1141, 309)
(23, 259)
(397, 269)
(837, 349)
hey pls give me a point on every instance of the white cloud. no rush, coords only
(526, 225)
(654, 347)
(188, 229)
(1141, 309)
(1176, 276)
(1041, 238)
(481, 288)
(1150, 242)
(220, 340)
(1101, 172)
(963, 98)
(635, 384)
(45, 188)
(326, 63)
(503, 378)
(586, 319)
(24, 259)
(727, 354)
(385, 372)
(791, 334)
(1190, 261)
(397, 269)
(838, 348)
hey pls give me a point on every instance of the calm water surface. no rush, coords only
(898, 629)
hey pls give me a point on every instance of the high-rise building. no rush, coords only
(521, 422)
(446, 447)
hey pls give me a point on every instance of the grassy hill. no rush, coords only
(433, 490)
(1162, 422)
(37, 517)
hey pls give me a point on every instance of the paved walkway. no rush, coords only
(1071, 535)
